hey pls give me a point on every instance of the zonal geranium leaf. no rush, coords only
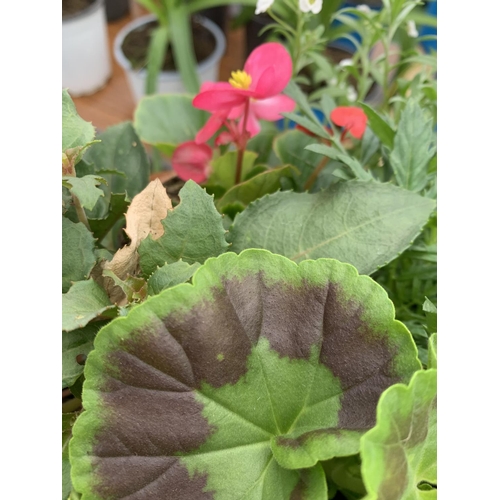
(237, 385)
(398, 456)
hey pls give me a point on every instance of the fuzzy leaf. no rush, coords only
(193, 232)
(412, 148)
(165, 121)
(76, 132)
(366, 224)
(237, 385)
(85, 301)
(399, 453)
(264, 183)
(170, 275)
(78, 257)
(84, 188)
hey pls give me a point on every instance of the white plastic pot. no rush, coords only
(169, 81)
(86, 63)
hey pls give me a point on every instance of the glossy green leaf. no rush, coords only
(120, 149)
(412, 148)
(170, 275)
(68, 419)
(76, 132)
(237, 385)
(379, 126)
(224, 169)
(85, 301)
(167, 120)
(400, 452)
(85, 189)
(366, 224)
(78, 257)
(265, 183)
(432, 351)
(193, 232)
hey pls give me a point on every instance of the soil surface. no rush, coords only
(72, 7)
(136, 43)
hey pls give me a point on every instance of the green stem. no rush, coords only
(80, 212)
(312, 178)
(243, 145)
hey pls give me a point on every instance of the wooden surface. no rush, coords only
(114, 104)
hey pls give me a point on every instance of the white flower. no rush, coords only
(263, 5)
(352, 95)
(411, 29)
(364, 8)
(313, 6)
(345, 62)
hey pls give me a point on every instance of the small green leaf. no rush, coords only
(265, 183)
(78, 257)
(118, 205)
(76, 132)
(412, 148)
(432, 352)
(85, 301)
(84, 188)
(170, 275)
(68, 419)
(400, 451)
(308, 124)
(224, 169)
(193, 232)
(167, 120)
(430, 311)
(379, 126)
(366, 224)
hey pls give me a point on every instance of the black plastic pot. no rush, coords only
(253, 27)
(116, 9)
(217, 15)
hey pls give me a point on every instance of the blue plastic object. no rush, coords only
(430, 45)
(280, 124)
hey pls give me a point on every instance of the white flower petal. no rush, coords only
(411, 29)
(263, 5)
(345, 62)
(313, 6)
(364, 8)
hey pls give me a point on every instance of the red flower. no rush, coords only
(191, 161)
(352, 119)
(252, 94)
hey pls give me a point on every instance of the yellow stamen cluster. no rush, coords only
(240, 80)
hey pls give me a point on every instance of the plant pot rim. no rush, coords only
(213, 58)
(93, 7)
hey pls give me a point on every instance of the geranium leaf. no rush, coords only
(165, 121)
(85, 301)
(76, 132)
(366, 224)
(68, 419)
(264, 183)
(399, 453)
(85, 189)
(170, 275)
(193, 232)
(78, 257)
(118, 205)
(188, 395)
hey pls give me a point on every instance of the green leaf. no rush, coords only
(167, 120)
(345, 472)
(78, 257)
(224, 168)
(170, 275)
(379, 126)
(352, 163)
(313, 127)
(118, 205)
(246, 192)
(292, 90)
(366, 224)
(68, 419)
(430, 311)
(400, 451)
(76, 345)
(212, 390)
(262, 144)
(76, 132)
(84, 188)
(85, 301)
(121, 149)
(432, 352)
(193, 232)
(412, 148)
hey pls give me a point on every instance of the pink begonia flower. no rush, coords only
(192, 161)
(256, 91)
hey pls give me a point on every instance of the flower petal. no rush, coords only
(272, 62)
(213, 124)
(351, 118)
(217, 99)
(191, 161)
(272, 108)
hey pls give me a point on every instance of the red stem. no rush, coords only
(242, 144)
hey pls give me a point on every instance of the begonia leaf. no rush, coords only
(165, 121)
(85, 189)
(399, 455)
(170, 275)
(85, 301)
(366, 224)
(224, 169)
(78, 257)
(193, 232)
(76, 132)
(264, 183)
(235, 386)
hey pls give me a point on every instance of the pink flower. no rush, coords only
(192, 161)
(352, 119)
(252, 94)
